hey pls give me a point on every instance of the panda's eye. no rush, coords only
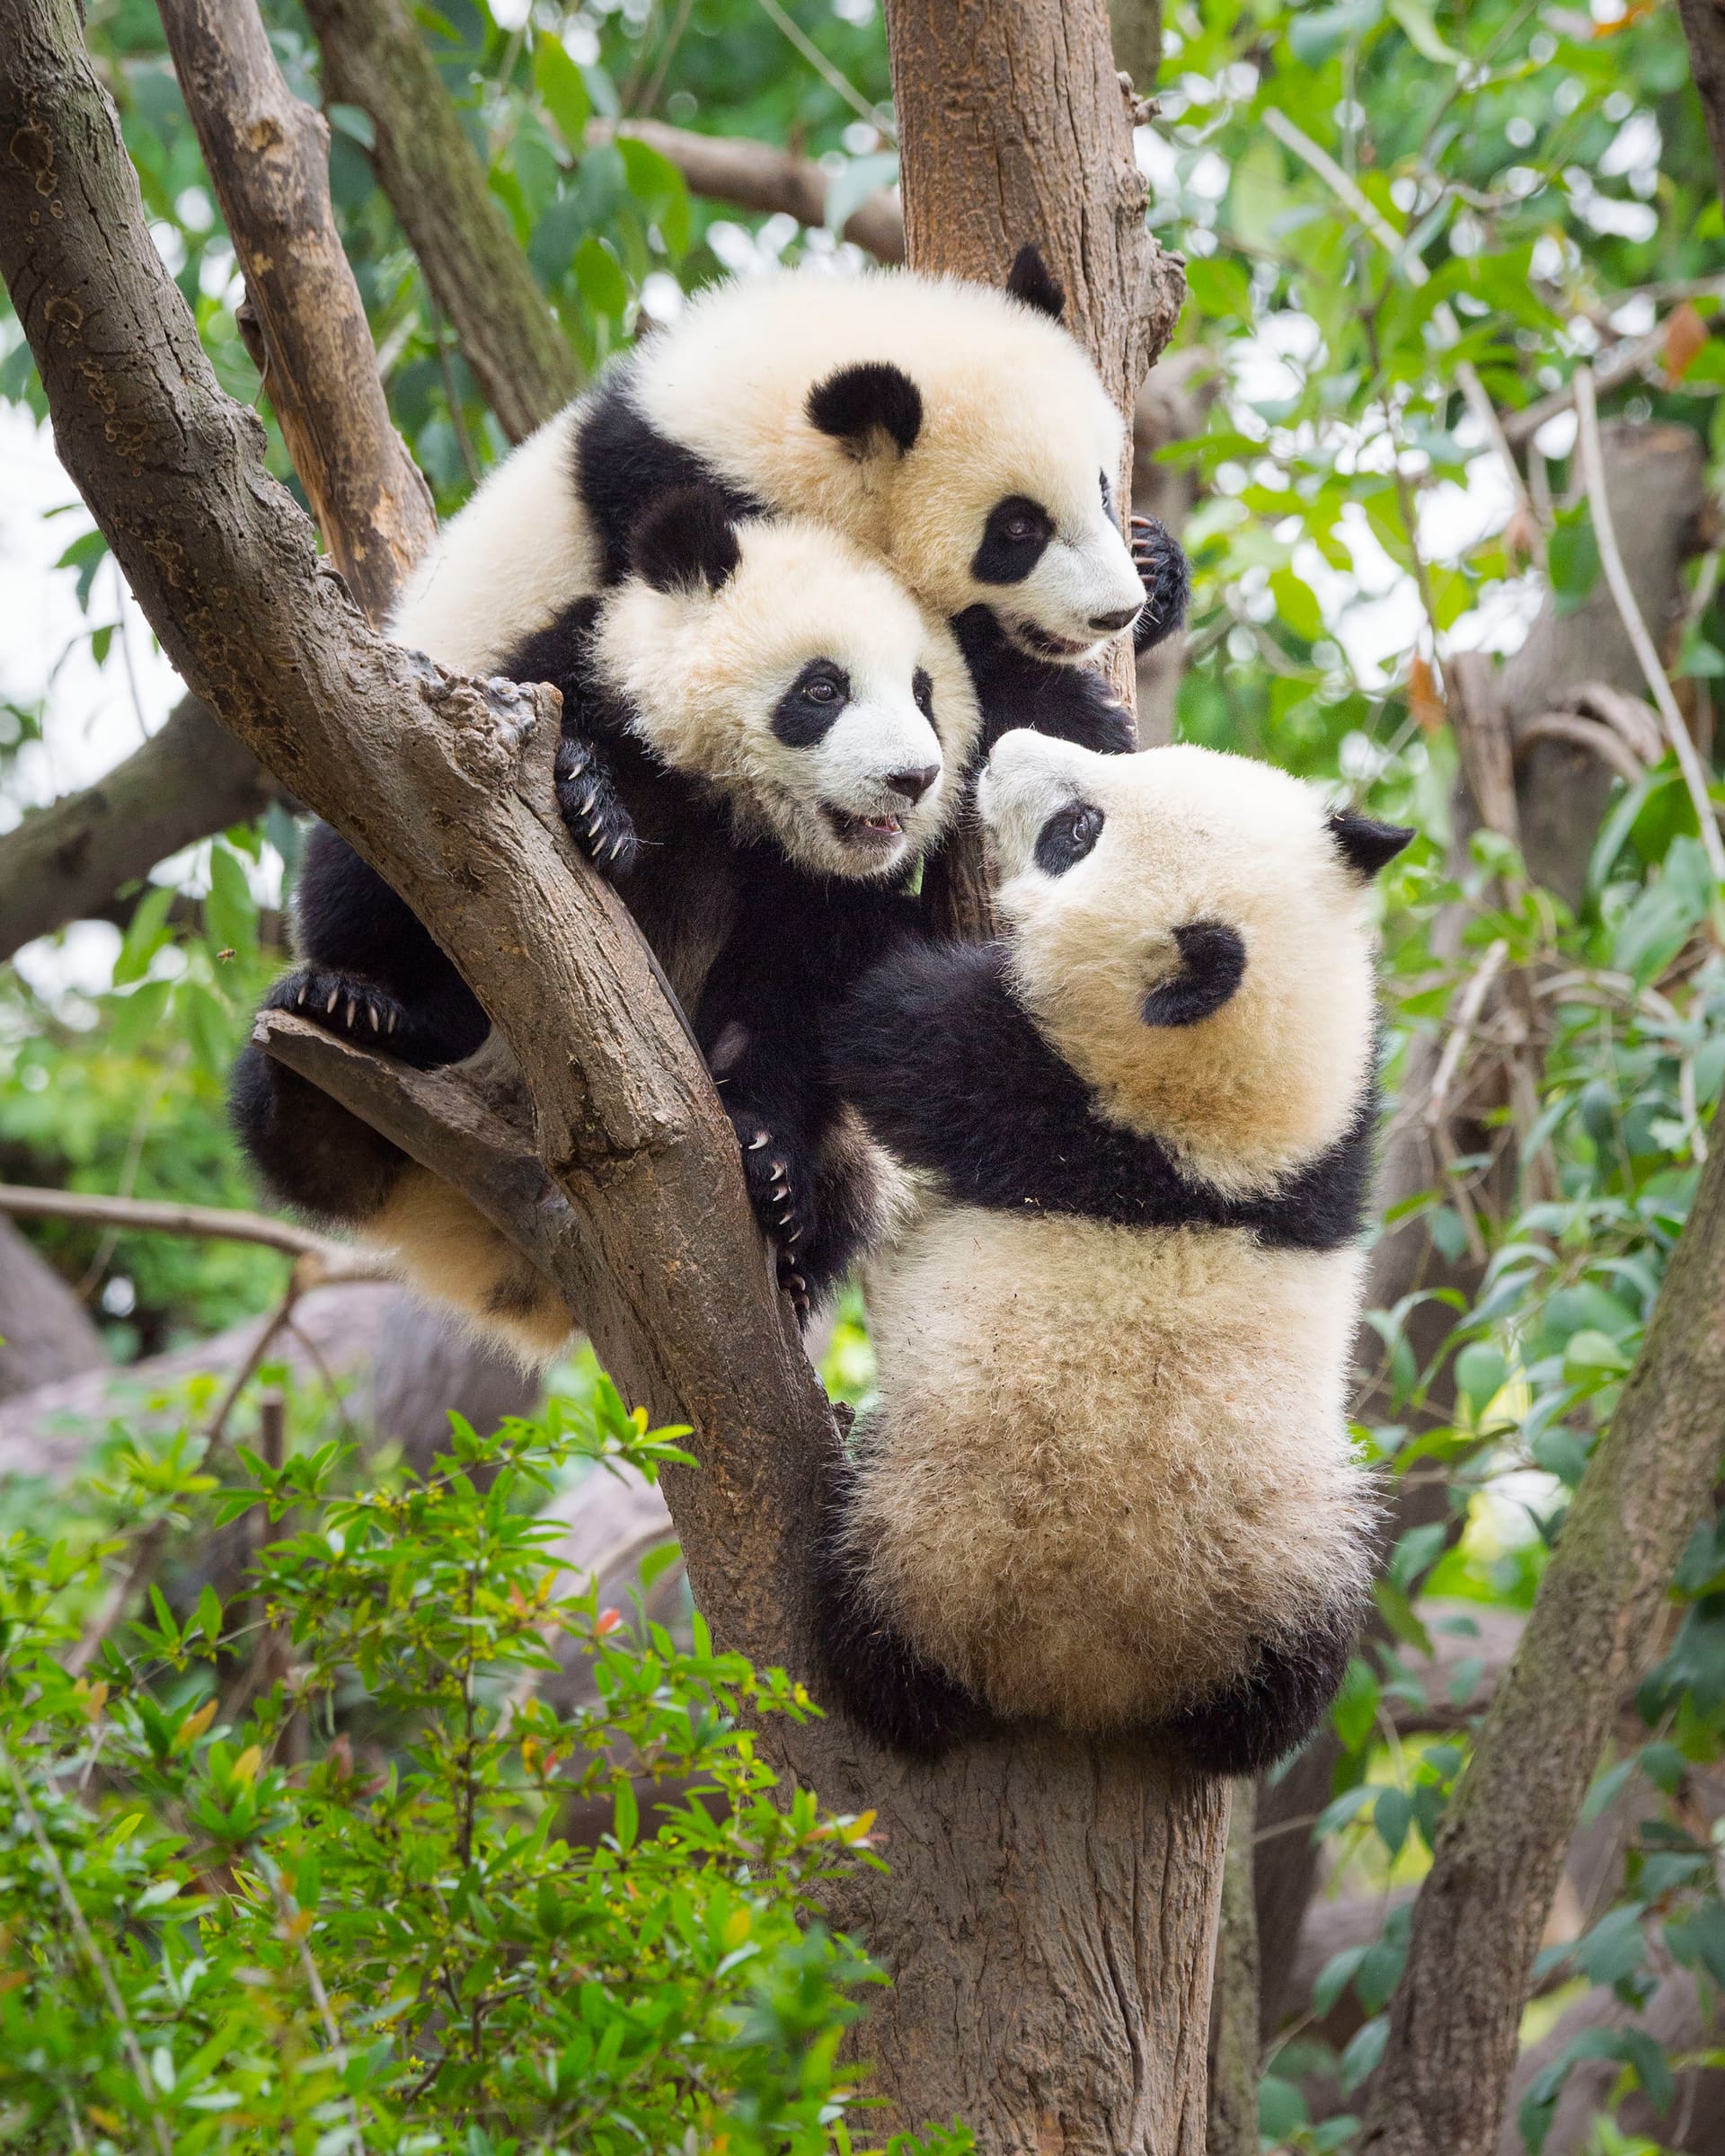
(822, 689)
(922, 690)
(809, 708)
(1067, 837)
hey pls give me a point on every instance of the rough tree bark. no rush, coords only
(267, 157)
(1234, 2009)
(1480, 1911)
(1049, 1909)
(1703, 26)
(375, 57)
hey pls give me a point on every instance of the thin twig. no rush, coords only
(92, 1953)
(28, 1202)
(833, 76)
(1611, 560)
(290, 1914)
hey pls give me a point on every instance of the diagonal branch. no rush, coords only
(375, 57)
(267, 158)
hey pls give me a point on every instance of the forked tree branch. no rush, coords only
(1480, 1910)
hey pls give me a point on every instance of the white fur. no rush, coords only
(519, 552)
(1012, 405)
(1189, 834)
(1110, 1463)
(703, 671)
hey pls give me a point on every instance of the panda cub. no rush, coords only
(957, 433)
(763, 733)
(1109, 1482)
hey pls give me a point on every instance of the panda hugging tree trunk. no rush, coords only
(1047, 1902)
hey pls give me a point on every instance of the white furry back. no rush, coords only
(1108, 1462)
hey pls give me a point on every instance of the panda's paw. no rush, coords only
(341, 1005)
(780, 1189)
(1166, 576)
(590, 806)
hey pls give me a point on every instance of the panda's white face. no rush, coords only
(946, 426)
(805, 688)
(1190, 930)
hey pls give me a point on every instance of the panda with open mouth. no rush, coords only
(763, 735)
(1110, 1483)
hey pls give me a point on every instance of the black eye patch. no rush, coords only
(922, 690)
(804, 714)
(1067, 837)
(1013, 539)
(1212, 965)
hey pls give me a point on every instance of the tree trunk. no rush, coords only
(45, 1332)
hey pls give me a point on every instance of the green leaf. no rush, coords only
(1281, 2108)
(601, 280)
(145, 933)
(1573, 554)
(209, 1613)
(1354, 1712)
(560, 84)
(230, 912)
(626, 1817)
(1391, 1815)
(1297, 605)
(1482, 1372)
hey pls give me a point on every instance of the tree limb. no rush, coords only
(66, 862)
(1477, 1920)
(761, 176)
(267, 158)
(375, 58)
(1233, 2004)
(25, 1202)
(1703, 26)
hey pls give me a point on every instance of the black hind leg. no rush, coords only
(869, 1669)
(1270, 1711)
(309, 1150)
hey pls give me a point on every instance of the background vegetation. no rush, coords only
(338, 1836)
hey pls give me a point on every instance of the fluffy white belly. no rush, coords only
(1108, 1461)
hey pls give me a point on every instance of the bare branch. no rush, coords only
(66, 862)
(267, 158)
(26, 1203)
(761, 176)
(1610, 561)
(375, 58)
(1480, 1912)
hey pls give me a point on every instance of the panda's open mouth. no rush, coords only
(1043, 644)
(881, 830)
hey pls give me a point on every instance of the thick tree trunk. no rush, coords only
(1051, 1906)
(46, 1333)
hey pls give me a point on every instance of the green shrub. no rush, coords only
(295, 1871)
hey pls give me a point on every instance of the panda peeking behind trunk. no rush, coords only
(762, 734)
(1110, 1483)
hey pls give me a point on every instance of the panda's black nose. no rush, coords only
(1105, 624)
(912, 784)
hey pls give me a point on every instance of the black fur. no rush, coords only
(1013, 690)
(1366, 845)
(622, 464)
(870, 1669)
(686, 539)
(1031, 280)
(948, 1068)
(1166, 576)
(804, 715)
(871, 396)
(1261, 1717)
(1004, 557)
(1212, 965)
(373, 975)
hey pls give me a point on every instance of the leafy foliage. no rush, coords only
(300, 1867)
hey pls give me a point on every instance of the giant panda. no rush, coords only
(957, 432)
(1108, 1481)
(763, 733)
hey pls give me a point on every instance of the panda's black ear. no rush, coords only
(1366, 845)
(1031, 280)
(870, 396)
(1212, 965)
(686, 539)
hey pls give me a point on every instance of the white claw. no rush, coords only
(335, 997)
(299, 1001)
(350, 1011)
(757, 1141)
(392, 1022)
(377, 1023)
(593, 795)
(616, 847)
